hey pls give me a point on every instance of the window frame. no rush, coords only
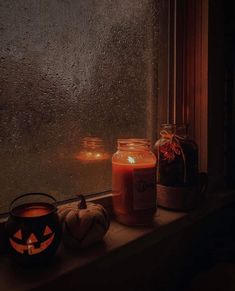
(190, 71)
(198, 81)
(192, 88)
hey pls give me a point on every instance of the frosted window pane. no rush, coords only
(71, 70)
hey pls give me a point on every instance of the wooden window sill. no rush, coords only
(74, 269)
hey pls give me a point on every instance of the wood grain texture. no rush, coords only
(191, 80)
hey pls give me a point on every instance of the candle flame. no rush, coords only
(131, 160)
(30, 247)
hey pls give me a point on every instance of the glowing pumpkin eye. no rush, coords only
(18, 234)
(32, 239)
(47, 231)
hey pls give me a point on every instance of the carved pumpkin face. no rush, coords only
(33, 228)
(30, 243)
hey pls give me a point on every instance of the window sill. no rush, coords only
(121, 244)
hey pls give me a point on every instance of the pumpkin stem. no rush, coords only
(82, 203)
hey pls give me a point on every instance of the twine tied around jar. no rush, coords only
(172, 138)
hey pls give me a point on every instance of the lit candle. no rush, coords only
(134, 182)
(30, 247)
(33, 228)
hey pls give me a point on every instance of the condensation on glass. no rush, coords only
(71, 71)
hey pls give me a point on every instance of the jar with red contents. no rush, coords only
(177, 172)
(134, 182)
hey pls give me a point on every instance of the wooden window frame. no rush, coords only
(190, 72)
(198, 87)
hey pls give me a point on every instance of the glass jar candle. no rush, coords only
(134, 182)
(177, 157)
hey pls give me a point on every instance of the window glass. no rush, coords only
(74, 77)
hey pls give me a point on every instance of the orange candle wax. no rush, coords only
(32, 210)
(133, 186)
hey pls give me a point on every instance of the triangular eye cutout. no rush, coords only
(32, 239)
(18, 234)
(47, 231)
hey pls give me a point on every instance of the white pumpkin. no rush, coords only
(83, 223)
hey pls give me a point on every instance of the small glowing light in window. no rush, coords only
(92, 150)
(131, 160)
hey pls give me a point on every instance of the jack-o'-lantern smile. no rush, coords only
(32, 246)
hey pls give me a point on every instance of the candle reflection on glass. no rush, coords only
(92, 150)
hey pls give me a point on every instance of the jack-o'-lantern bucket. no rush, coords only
(33, 228)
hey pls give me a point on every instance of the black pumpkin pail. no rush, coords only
(33, 228)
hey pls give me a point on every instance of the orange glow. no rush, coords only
(129, 181)
(32, 239)
(33, 211)
(91, 156)
(18, 234)
(29, 248)
(92, 150)
(47, 230)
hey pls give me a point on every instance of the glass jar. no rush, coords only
(177, 157)
(134, 182)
